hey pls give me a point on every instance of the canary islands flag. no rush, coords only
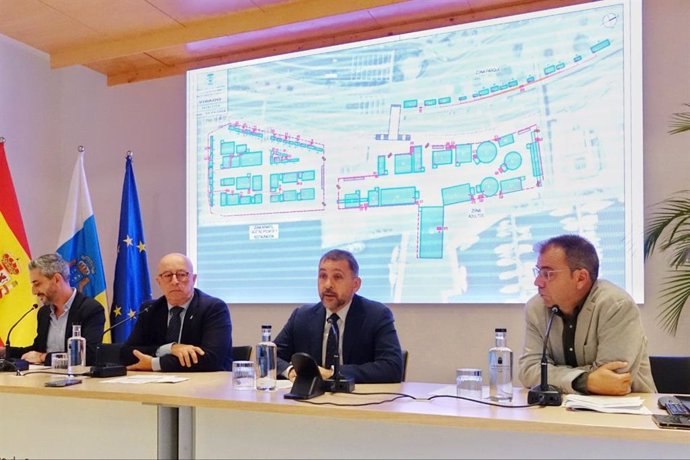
(78, 242)
(131, 285)
(15, 287)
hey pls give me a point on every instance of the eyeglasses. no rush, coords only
(181, 276)
(547, 273)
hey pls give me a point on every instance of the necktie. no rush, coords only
(332, 341)
(173, 334)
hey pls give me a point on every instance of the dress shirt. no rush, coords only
(57, 330)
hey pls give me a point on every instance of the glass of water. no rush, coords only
(469, 382)
(243, 375)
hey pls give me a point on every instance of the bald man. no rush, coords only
(184, 330)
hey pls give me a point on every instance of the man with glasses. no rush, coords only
(597, 343)
(184, 330)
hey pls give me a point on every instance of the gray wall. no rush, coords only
(45, 114)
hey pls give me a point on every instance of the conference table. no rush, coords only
(204, 417)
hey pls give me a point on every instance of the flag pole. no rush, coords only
(131, 284)
(78, 241)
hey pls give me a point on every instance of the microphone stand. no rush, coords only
(9, 364)
(543, 393)
(101, 369)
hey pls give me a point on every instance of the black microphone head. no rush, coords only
(555, 309)
(146, 304)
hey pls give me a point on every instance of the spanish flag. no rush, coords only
(15, 287)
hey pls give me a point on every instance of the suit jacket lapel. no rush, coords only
(355, 319)
(192, 309)
(43, 319)
(584, 323)
(316, 324)
(73, 315)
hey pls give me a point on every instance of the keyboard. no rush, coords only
(673, 405)
(679, 422)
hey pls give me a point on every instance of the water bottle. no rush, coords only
(501, 369)
(266, 356)
(76, 352)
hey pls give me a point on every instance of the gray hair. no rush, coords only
(579, 252)
(50, 264)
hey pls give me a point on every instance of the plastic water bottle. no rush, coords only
(266, 357)
(501, 369)
(76, 352)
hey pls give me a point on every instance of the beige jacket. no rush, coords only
(608, 329)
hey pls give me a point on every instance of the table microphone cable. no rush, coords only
(405, 395)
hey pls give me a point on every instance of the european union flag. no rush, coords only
(132, 285)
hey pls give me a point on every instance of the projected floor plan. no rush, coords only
(439, 159)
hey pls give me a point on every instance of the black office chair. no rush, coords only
(404, 356)
(671, 373)
(242, 353)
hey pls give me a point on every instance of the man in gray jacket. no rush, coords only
(597, 344)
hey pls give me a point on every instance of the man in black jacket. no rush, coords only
(63, 306)
(184, 330)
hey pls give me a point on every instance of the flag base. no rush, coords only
(108, 370)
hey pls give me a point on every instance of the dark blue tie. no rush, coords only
(173, 334)
(332, 341)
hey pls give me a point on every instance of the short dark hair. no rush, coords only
(50, 264)
(341, 254)
(579, 252)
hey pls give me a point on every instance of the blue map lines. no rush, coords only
(438, 158)
(251, 172)
(461, 173)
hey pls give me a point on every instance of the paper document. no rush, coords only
(139, 379)
(449, 390)
(38, 367)
(283, 385)
(608, 404)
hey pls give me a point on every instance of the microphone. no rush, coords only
(101, 369)
(543, 393)
(129, 318)
(308, 383)
(9, 364)
(338, 383)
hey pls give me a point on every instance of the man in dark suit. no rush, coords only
(184, 330)
(63, 306)
(363, 332)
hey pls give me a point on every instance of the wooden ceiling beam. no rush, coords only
(319, 40)
(243, 21)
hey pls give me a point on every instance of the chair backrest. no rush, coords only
(242, 353)
(671, 373)
(404, 356)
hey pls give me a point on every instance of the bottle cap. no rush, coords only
(501, 329)
(265, 326)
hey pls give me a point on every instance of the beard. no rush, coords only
(332, 301)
